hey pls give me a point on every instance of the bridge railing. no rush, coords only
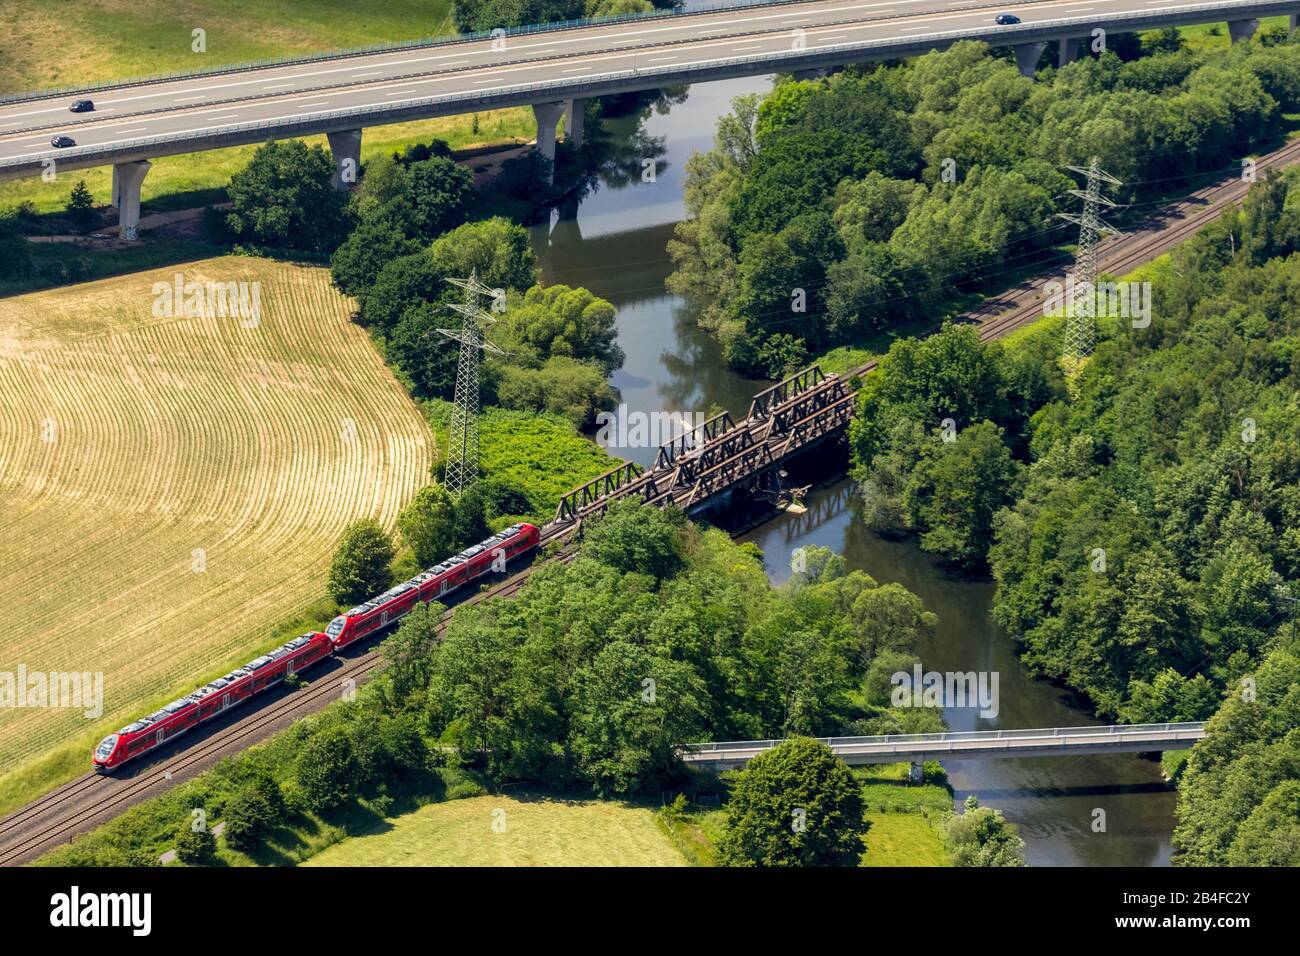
(646, 79)
(1112, 730)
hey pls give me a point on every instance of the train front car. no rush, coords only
(337, 632)
(106, 758)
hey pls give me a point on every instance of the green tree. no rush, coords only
(631, 536)
(496, 248)
(955, 490)
(794, 805)
(194, 846)
(410, 650)
(632, 708)
(563, 386)
(284, 198)
(428, 525)
(81, 207)
(359, 569)
(469, 519)
(327, 770)
(373, 244)
(559, 321)
(249, 816)
(426, 357)
(435, 198)
(981, 836)
(402, 284)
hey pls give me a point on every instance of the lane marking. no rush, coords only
(583, 36)
(431, 84)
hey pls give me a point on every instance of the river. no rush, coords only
(613, 243)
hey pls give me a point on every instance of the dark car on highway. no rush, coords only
(1006, 19)
(82, 106)
(62, 142)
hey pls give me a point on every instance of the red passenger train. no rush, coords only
(430, 585)
(257, 675)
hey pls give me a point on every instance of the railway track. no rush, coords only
(91, 799)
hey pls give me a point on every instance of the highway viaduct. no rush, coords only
(552, 68)
(917, 748)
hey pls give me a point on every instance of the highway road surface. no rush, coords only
(194, 113)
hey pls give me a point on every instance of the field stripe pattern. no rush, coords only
(128, 442)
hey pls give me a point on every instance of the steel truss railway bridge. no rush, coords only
(917, 748)
(701, 468)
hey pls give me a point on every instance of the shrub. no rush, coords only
(360, 566)
(194, 846)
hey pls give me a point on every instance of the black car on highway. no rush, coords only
(1006, 19)
(82, 106)
(63, 142)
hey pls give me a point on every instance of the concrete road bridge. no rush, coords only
(553, 68)
(969, 745)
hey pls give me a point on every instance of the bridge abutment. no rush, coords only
(1240, 30)
(127, 179)
(345, 145)
(548, 117)
(1027, 57)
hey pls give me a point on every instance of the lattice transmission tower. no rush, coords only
(1081, 304)
(462, 453)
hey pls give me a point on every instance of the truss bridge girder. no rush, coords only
(776, 395)
(687, 442)
(578, 502)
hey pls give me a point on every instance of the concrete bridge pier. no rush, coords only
(1240, 30)
(1067, 51)
(1027, 56)
(127, 178)
(575, 121)
(916, 773)
(548, 117)
(1293, 21)
(345, 145)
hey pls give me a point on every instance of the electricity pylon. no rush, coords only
(462, 453)
(1080, 307)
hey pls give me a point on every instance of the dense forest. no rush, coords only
(1142, 522)
(836, 208)
(659, 633)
